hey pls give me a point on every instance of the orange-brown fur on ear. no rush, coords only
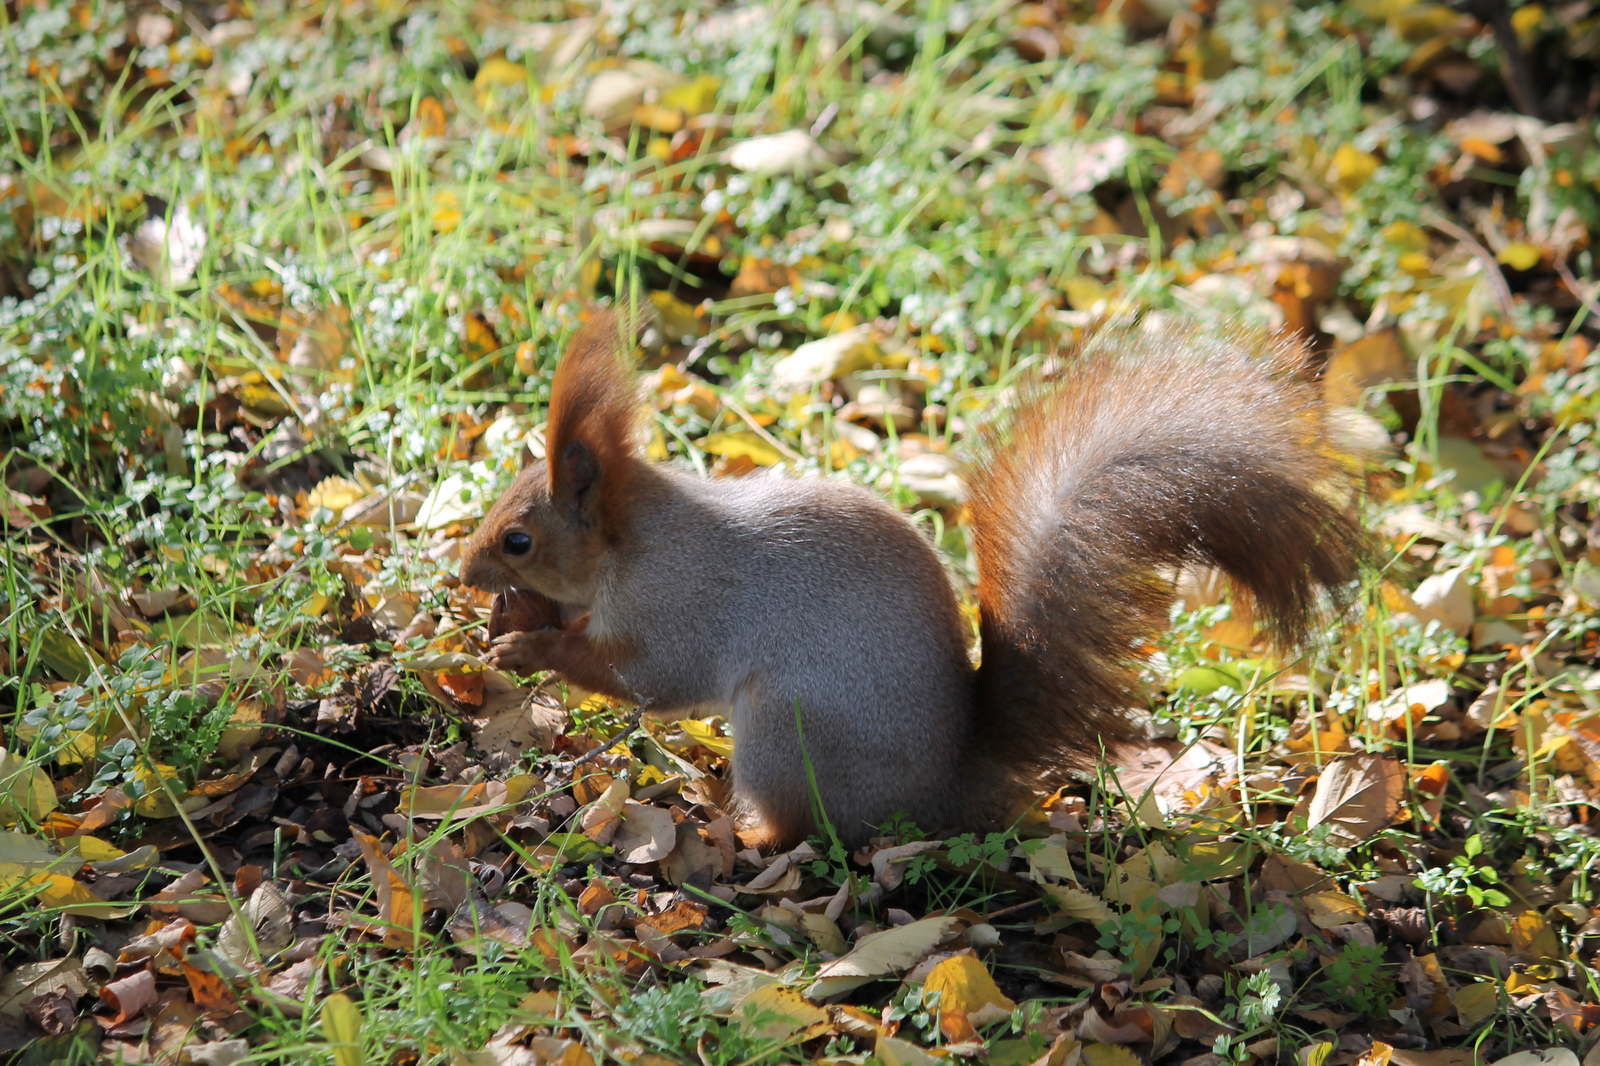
(594, 412)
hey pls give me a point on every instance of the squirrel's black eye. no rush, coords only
(516, 543)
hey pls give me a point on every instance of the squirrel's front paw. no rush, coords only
(523, 652)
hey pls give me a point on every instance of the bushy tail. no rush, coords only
(1154, 449)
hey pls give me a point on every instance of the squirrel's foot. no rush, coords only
(763, 837)
(525, 651)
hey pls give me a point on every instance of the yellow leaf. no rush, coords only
(93, 849)
(1520, 255)
(26, 792)
(1080, 903)
(742, 444)
(1564, 754)
(1107, 1055)
(1475, 1002)
(341, 1025)
(431, 117)
(703, 733)
(964, 985)
(777, 1013)
(1406, 236)
(477, 337)
(446, 214)
(1376, 359)
(678, 318)
(1330, 909)
(65, 657)
(156, 803)
(1532, 938)
(334, 493)
(1084, 292)
(22, 855)
(1525, 20)
(695, 97)
(499, 71)
(74, 897)
(1313, 1054)
(1352, 168)
(893, 1051)
(824, 932)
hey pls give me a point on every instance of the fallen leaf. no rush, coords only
(1476, 1002)
(1329, 909)
(341, 1025)
(1554, 1056)
(1356, 796)
(395, 900)
(966, 990)
(129, 997)
(169, 245)
(1532, 939)
(789, 152)
(880, 954)
(777, 1013)
(26, 792)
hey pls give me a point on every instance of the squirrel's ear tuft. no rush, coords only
(580, 469)
(594, 412)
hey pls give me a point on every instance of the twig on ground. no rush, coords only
(1570, 280)
(1497, 279)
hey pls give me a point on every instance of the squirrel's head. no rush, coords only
(551, 530)
(537, 539)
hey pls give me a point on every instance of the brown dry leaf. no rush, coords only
(464, 689)
(396, 910)
(1329, 909)
(1290, 875)
(534, 1051)
(292, 990)
(1375, 360)
(128, 997)
(264, 923)
(1442, 1057)
(168, 937)
(1114, 1018)
(1079, 903)
(1553, 1056)
(66, 977)
(603, 818)
(1356, 796)
(889, 864)
(313, 345)
(54, 1012)
(646, 834)
(444, 874)
(683, 914)
(479, 919)
(210, 991)
(519, 721)
(882, 953)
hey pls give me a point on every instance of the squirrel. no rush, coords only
(825, 623)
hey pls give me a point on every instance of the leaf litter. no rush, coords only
(255, 769)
